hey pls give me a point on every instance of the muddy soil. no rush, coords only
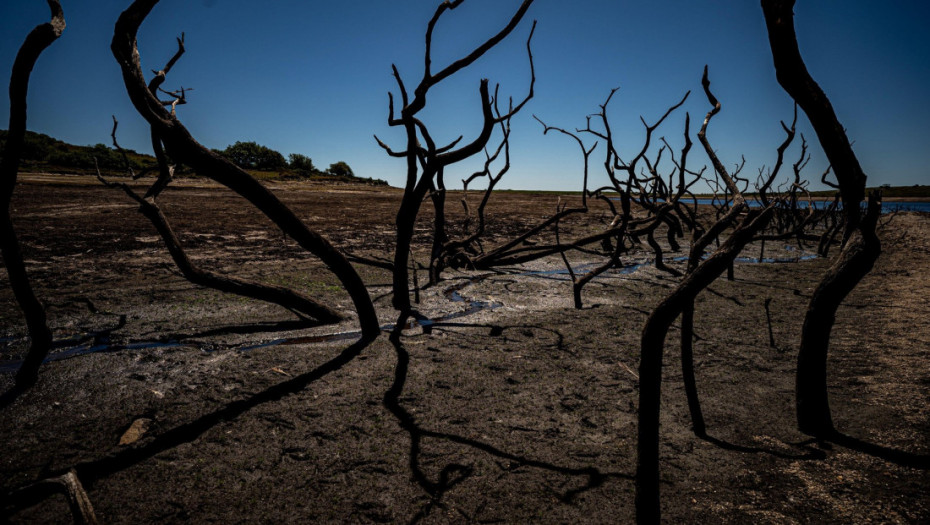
(511, 407)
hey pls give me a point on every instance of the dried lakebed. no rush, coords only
(521, 413)
(100, 341)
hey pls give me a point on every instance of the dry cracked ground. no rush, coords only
(175, 403)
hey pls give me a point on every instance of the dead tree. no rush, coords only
(38, 39)
(468, 250)
(579, 281)
(624, 182)
(425, 160)
(701, 273)
(797, 217)
(704, 235)
(148, 206)
(651, 345)
(860, 245)
(183, 148)
(455, 252)
(648, 192)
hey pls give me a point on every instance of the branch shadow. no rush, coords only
(249, 329)
(11, 395)
(90, 472)
(892, 455)
(454, 473)
(724, 296)
(811, 453)
(774, 286)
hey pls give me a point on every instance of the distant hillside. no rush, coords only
(916, 191)
(45, 154)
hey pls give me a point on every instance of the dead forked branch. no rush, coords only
(701, 271)
(621, 226)
(38, 39)
(181, 146)
(290, 299)
(68, 484)
(425, 160)
(457, 252)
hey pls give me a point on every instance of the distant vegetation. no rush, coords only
(254, 156)
(917, 191)
(266, 163)
(43, 153)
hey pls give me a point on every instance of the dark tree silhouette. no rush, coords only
(622, 226)
(148, 206)
(680, 302)
(798, 217)
(562, 210)
(340, 169)
(253, 156)
(651, 346)
(633, 189)
(703, 235)
(425, 160)
(457, 252)
(38, 39)
(181, 146)
(860, 246)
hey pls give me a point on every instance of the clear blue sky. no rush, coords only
(312, 77)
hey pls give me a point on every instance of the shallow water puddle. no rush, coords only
(453, 294)
(89, 348)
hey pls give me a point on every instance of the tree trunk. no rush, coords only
(36, 323)
(861, 246)
(652, 344)
(687, 370)
(181, 146)
(853, 263)
(37, 41)
(406, 219)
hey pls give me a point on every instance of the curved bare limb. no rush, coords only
(180, 145)
(285, 297)
(861, 246)
(37, 41)
(426, 164)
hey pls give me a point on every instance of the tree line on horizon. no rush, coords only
(41, 151)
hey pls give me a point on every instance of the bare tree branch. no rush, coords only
(180, 145)
(285, 297)
(36, 42)
(861, 246)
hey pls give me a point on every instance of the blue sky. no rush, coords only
(312, 77)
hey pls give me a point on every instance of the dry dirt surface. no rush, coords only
(174, 403)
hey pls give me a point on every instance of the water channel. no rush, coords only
(96, 342)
